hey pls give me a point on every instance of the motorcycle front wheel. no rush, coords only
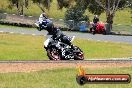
(78, 54)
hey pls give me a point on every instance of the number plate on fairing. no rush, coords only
(67, 54)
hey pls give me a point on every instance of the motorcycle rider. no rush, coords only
(53, 32)
(56, 34)
(43, 20)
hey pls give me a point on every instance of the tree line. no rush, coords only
(94, 6)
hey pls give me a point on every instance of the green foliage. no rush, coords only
(43, 4)
(64, 3)
(124, 4)
(108, 6)
(19, 4)
(76, 13)
(94, 8)
(26, 3)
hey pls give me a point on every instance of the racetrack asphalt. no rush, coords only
(98, 37)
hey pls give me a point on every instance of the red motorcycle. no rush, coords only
(98, 28)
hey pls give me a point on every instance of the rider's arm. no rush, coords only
(45, 17)
(42, 17)
(57, 34)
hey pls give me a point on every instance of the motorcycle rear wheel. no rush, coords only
(53, 54)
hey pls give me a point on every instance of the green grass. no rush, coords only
(21, 47)
(16, 27)
(58, 78)
(119, 28)
(94, 49)
(28, 47)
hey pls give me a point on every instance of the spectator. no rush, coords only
(95, 21)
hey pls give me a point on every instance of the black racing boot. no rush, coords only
(73, 47)
(45, 48)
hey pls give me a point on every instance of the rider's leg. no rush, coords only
(46, 43)
(49, 39)
(40, 27)
(67, 40)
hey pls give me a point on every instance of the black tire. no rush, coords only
(94, 32)
(81, 80)
(52, 55)
(77, 56)
(104, 32)
(91, 30)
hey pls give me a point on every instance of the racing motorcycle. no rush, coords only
(100, 28)
(57, 50)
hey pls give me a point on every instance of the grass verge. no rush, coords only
(16, 27)
(58, 78)
(121, 28)
(29, 47)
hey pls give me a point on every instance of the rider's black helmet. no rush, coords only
(50, 26)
